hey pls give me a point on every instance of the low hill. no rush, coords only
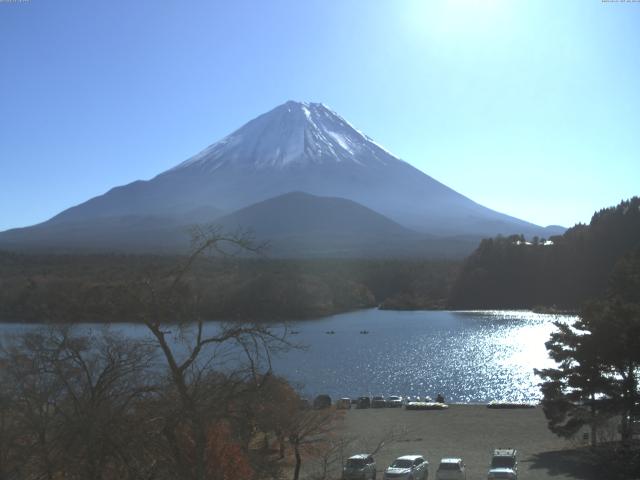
(298, 213)
(302, 225)
(293, 225)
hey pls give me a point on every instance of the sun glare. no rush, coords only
(459, 19)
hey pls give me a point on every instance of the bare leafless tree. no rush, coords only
(390, 436)
(308, 431)
(73, 405)
(338, 445)
(329, 460)
(238, 352)
(99, 406)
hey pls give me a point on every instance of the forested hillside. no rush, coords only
(562, 272)
(75, 288)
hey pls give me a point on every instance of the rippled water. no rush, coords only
(469, 357)
(473, 356)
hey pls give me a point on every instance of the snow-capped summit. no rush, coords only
(292, 134)
(296, 147)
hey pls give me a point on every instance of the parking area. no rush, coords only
(470, 432)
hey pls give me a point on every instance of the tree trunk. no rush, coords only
(594, 426)
(629, 398)
(296, 472)
(281, 445)
(200, 451)
(624, 427)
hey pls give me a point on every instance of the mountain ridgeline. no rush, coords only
(347, 197)
(503, 272)
(563, 272)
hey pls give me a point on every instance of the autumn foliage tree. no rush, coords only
(225, 457)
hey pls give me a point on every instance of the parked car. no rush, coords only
(361, 467)
(504, 464)
(408, 467)
(378, 402)
(451, 469)
(322, 401)
(394, 401)
(343, 403)
(363, 402)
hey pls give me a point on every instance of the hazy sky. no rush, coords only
(530, 108)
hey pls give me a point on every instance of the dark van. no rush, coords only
(322, 401)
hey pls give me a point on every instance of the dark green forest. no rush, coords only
(504, 272)
(561, 272)
(75, 288)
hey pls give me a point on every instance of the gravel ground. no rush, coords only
(469, 432)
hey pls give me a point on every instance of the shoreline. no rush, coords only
(301, 318)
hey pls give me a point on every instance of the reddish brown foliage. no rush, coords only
(226, 460)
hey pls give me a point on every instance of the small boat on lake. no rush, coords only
(426, 406)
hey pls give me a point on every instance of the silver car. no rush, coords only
(408, 467)
(359, 467)
(451, 469)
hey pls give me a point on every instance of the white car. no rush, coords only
(504, 464)
(451, 469)
(408, 467)
(359, 467)
(394, 401)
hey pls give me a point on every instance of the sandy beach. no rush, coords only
(470, 432)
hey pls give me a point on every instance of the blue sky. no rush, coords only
(530, 108)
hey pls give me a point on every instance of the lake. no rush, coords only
(469, 357)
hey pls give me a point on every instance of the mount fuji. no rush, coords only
(296, 147)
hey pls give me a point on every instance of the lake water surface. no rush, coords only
(469, 357)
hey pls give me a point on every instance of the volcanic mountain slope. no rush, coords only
(299, 224)
(296, 147)
(135, 233)
(292, 225)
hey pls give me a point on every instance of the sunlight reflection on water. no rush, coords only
(469, 356)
